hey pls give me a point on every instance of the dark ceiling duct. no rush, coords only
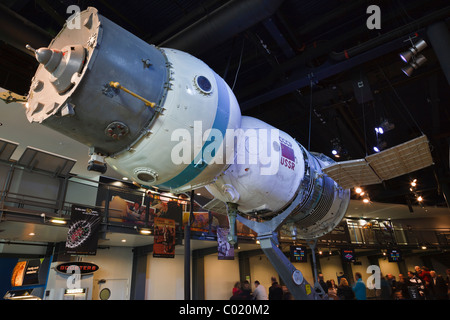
(439, 37)
(225, 22)
(17, 31)
(399, 32)
(264, 89)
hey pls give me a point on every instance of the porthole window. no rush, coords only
(105, 294)
(203, 84)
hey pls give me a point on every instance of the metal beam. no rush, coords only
(303, 77)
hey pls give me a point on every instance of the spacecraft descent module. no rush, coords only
(163, 118)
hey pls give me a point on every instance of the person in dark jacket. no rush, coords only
(438, 287)
(344, 291)
(246, 291)
(275, 290)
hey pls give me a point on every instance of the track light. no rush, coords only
(380, 146)
(384, 127)
(412, 58)
(415, 64)
(337, 149)
(411, 52)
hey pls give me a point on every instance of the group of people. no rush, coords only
(243, 291)
(421, 284)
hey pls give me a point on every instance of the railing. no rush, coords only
(138, 207)
(379, 232)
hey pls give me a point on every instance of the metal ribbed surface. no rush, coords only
(323, 206)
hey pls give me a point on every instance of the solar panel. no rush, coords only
(387, 164)
(402, 159)
(352, 173)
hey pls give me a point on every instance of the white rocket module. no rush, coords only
(163, 118)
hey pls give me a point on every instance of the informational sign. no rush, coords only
(82, 236)
(298, 254)
(26, 273)
(224, 248)
(82, 267)
(348, 255)
(394, 255)
(164, 240)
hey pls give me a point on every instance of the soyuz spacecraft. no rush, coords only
(163, 118)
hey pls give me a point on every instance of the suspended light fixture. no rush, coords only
(380, 146)
(418, 61)
(415, 49)
(384, 126)
(337, 149)
(411, 57)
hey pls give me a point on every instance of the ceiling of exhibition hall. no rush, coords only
(312, 68)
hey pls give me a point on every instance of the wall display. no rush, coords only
(348, 255)
(394, 255)
(82, 236)
(26, 273)
(224, 249)
(164, 238)
(23, 279)
(298, 254)
(126, 205)
(167, 206)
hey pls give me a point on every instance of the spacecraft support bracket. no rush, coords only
(292, 277)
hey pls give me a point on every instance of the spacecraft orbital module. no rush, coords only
(163, 118)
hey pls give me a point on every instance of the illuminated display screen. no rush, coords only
(348, 255)
(394, 255)
(298, 254)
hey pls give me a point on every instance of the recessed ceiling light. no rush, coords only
(31, 234)
(124, 240)
(58, 221)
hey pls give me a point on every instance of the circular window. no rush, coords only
(203, 84)
(105, 294)
(146, 175)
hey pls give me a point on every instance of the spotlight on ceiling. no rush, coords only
(411, 52)
(384, 127)
(413, 65)
(337, 148)
(380, 146)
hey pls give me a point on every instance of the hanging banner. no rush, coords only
(164, 239)
(224, 248)
(84, 225)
